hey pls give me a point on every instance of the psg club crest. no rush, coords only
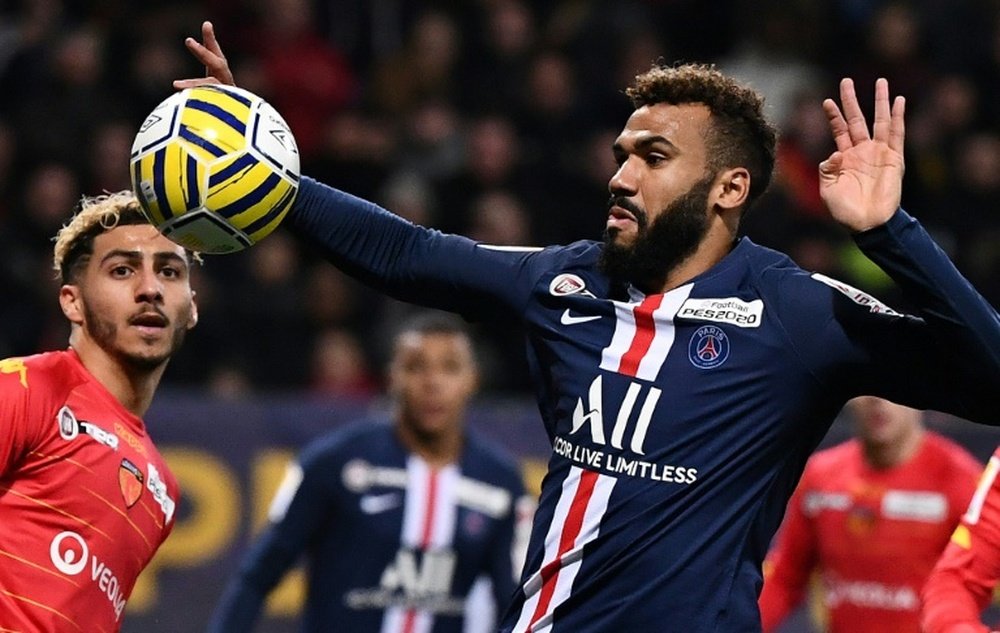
(709, 347)
(130, 481)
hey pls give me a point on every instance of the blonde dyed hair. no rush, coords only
(74, 243)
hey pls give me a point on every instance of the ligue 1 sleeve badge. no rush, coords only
(708, 347)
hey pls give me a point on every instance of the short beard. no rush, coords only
(659, 247)
(105, 334)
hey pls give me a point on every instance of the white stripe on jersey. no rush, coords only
(627, 331)
(663, 320)
(429, 517)
(561, 568)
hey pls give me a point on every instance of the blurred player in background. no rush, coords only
(85, 499)
(963, 581)
(871, 516)
(397, 521)
(685, 374)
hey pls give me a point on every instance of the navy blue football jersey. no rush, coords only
(680, 422)
(391, 544)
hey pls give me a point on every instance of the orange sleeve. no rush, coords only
(962, 582)
(789, 564)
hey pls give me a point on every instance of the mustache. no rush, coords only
(147, 311)
(628, 205)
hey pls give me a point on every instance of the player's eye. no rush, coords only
(121, 270)
(170, 272)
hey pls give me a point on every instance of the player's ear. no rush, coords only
(71, 303)
(193, 319)
(732, 188)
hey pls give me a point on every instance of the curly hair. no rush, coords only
(739, 136)
(74, 243)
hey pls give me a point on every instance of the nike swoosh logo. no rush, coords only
(569, 319)
(376, 504)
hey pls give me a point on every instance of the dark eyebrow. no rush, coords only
(132, 256)
(644, 143)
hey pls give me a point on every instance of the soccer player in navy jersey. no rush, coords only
(398, 522)
(85, 497)
(684, 374)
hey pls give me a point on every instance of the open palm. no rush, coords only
(861, 182)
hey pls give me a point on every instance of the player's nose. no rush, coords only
(623, 182)
(148, 286)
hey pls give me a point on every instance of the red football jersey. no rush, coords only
(963, 580)
(873, 535)
(85, 499)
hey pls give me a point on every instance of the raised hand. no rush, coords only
(210, 53)
(861, 183)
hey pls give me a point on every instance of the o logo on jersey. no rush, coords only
(70, 558)
(709, 347)
(68, 426)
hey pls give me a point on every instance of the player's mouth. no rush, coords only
(619, 218)
(621, 213)
(150, 322)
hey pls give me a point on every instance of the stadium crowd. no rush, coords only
(491, 118)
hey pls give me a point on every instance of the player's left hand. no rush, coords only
(210, 53)
(861, 183)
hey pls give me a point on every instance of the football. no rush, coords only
(215, 168)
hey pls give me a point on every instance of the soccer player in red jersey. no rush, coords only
(871, 516)
(962, 583)
(85, 498)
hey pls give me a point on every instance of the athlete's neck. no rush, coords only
(437, 449)
(133, 387)
(890, 454)
(717, 243)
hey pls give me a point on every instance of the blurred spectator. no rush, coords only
(492, 161)
(423, 70)
(307, 79)
(339, 366)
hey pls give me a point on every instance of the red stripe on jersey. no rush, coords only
(570, 531)
(425, 539)
(431, 502)
(645, 331)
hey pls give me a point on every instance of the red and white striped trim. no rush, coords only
(577, 522)
(428, 523)
(644, 334)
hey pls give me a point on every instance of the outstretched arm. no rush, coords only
(210, 53)
(861, 182)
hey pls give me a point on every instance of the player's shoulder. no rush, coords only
(582, 253)
(810, 297)
(951, 455)
(39, 375)
(353, 437)
(487, 460)
(834, 460)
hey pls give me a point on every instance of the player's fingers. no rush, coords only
(202, 54)
(215, 65)
(838, 126)
(857, 127)
(829, 168)
(897, 125)
(181, 84)
(208, 36)
(880, 127)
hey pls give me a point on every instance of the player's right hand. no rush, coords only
(210, 53)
